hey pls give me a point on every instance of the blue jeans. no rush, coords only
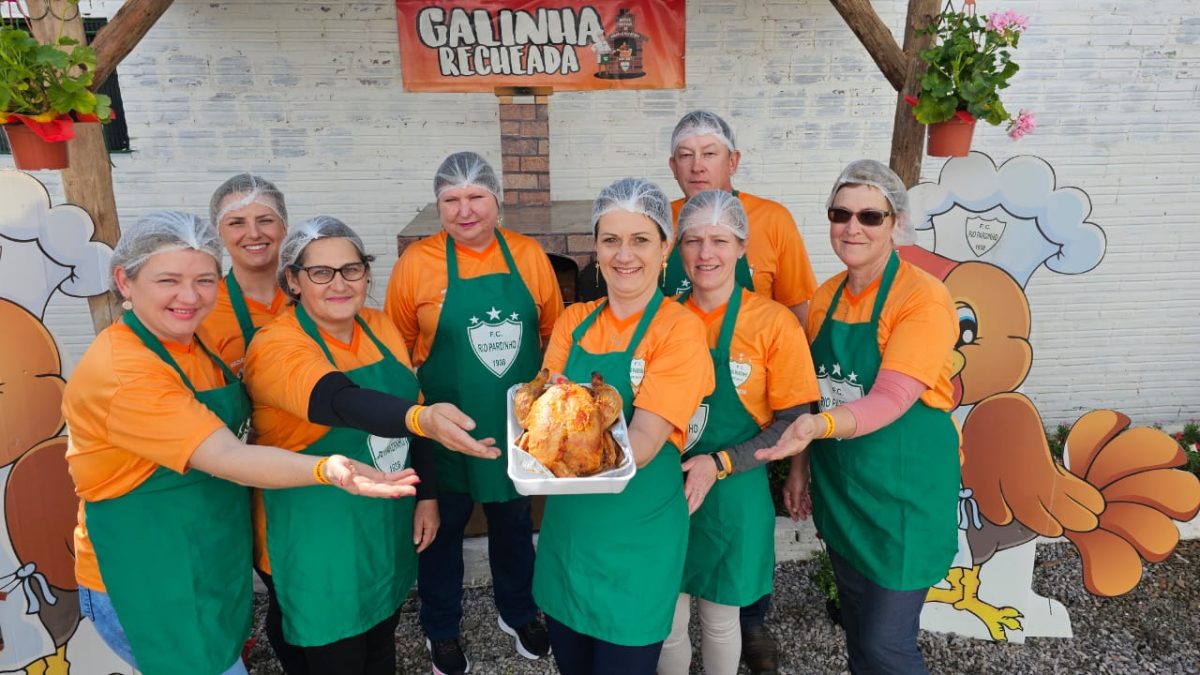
(510, 553)
(579, 654)
(97, 607)
(881, 624)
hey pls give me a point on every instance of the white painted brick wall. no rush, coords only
(309, 94)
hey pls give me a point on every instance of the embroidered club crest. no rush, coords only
(837, 388)
(637, 370)
(495, 341)
(388, 454)
(696, 426)
(739, 372)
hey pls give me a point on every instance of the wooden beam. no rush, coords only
(908, 135)
(88, 182)
(124, 30)
(877, 38)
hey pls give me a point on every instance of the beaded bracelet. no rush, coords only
(414, 424)
(829, 428)
(319, 472)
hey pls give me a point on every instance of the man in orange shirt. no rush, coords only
(704, 156)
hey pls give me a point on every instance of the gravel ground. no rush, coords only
(1154, 629)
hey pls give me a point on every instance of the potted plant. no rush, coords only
(967, 66)
(44, 90)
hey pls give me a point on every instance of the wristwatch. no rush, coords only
(723, 470)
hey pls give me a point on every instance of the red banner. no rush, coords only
(483, 44)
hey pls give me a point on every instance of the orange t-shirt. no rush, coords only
(222, 333)
(918, 327)
(282, 367)
(775, 251)
(769, 359)
(128, 413)
(418, 284)
(677, 370)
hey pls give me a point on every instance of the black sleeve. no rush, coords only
(425, 463)
(337, 402)
(742, 454)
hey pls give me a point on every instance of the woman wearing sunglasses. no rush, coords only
(884, 449)
(334, 374)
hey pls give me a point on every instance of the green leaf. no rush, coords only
(53, 57)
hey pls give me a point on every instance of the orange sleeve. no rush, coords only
(400, 304)
(922, 335)
(791, 376)
(794, 279)
(283, 366)
(679, 370)
(154, 416)
(559, 346)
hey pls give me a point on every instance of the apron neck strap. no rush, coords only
(643, 324)
(728, 322)
(155, 345)
(452, 255)
(885, 286)
(310, 327)
(238, 300)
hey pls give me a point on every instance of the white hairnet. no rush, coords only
(463, 169)
(635, 195)
(162, 232)
(714, 207)
(291, 251)
(249, 189)
(882, 178)
(702, 123)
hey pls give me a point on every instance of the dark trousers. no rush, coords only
(579, 654)
(370, 653)
(755, 614)
(881, 624)
(510, 552)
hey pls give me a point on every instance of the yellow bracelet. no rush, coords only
(413, 424)
(830, 426)
(728, 462)
(319, 471)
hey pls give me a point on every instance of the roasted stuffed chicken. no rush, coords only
(568, 426)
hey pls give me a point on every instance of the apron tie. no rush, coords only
(968, 510)
(26, 577)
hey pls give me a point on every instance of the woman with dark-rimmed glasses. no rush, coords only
(884, 449)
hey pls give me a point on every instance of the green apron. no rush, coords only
(343, 563)
(609, 565)
(238, 301)
(675, 281)
(486, 341)
(175, 552)
(886, 502)
(731, 543)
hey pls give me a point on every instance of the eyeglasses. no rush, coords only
(323, 274)
(868, 217)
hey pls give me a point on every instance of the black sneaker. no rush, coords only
(759, 650)
(448, 657)
(532, 640)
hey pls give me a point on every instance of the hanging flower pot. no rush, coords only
(31, 153)
(951, 138)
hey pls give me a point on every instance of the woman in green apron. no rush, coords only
(251, 217)
(764, 381)
(335, 374)
(475, 303)
(163, 542)
(609, 565)
(884, 457)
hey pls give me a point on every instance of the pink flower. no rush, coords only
(1007, 20)
(1023, 123)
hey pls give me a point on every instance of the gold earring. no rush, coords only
(127, 305)
(596, 265)
(664, 273)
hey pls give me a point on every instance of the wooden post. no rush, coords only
(902, 69)
(88, 181)
(908, 135)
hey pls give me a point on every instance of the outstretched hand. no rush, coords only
(794, 439)
(446, 424)
(367, 481)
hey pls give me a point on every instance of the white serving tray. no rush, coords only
(531, 477)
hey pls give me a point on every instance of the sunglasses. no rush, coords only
(868, 217)
(323, 274)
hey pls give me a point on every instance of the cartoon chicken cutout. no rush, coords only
(1118, 489)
